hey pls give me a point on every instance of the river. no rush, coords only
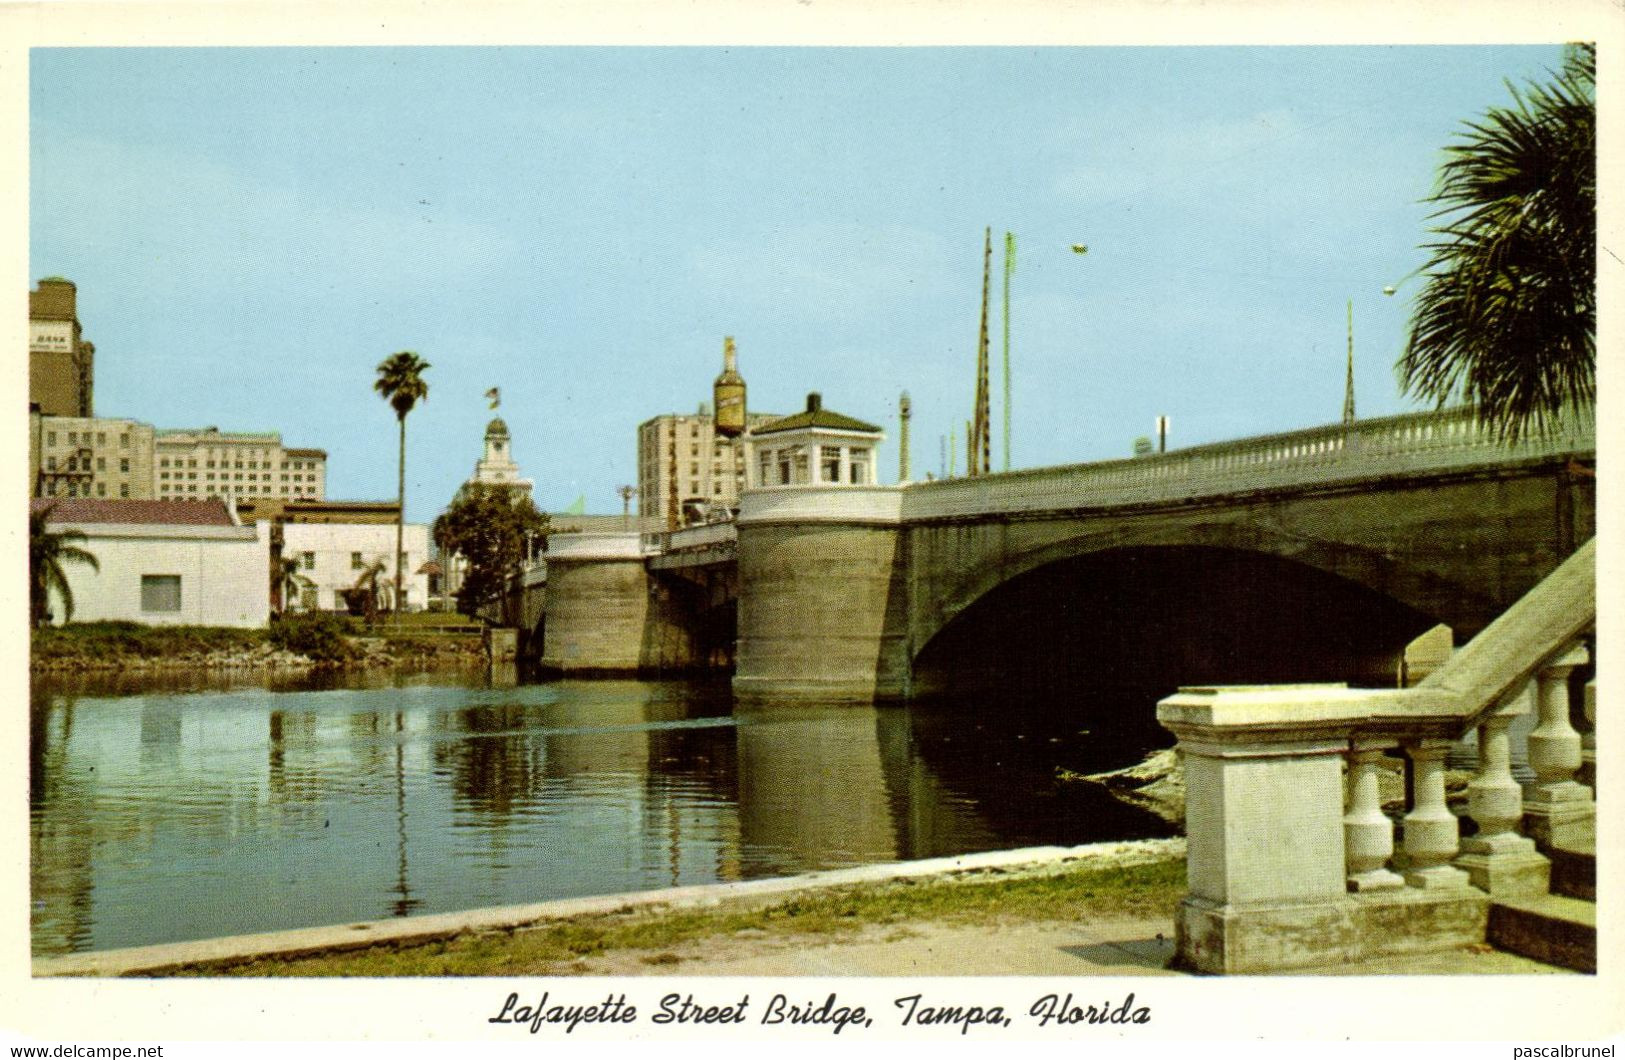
(178, 807)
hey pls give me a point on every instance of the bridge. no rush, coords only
(1312, 555)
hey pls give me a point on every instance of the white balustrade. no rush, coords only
(1557, 807)
(1368, 834)
(1432, 833)
(1499, 858)
(1419, 442)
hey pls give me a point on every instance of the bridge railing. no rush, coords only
(1415, 442)
(1292, 860)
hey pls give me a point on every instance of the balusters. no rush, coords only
(1499, 859)
(1432, 835)
(1368, 834)
(1557, 808)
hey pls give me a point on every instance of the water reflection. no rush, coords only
(198, 809)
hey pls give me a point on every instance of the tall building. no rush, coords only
(198, 464)
(708, 468)
(61, 364)
(75, 456)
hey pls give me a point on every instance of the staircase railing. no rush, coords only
(1292, 860)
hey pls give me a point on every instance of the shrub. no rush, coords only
(322, 637)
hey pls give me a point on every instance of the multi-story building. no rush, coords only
(74, 456)
(61, 364)
(709, 469)
(198, 464)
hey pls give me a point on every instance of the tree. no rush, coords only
(289, 581)
(400, 382)
(48, 552)
(1507, 318)
(492, 528)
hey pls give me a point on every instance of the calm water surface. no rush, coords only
(181, 808)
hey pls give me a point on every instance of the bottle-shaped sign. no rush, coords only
(729, 394)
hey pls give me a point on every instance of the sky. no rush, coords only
(253, 229)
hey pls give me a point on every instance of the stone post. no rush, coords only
(1264, 821)
(1499, 859)
(1368, 834)
(1557, 809)
(1432, 834)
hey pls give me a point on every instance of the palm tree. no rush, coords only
(400, 381)
(289, 581)
(1507, 318)
(47, 553)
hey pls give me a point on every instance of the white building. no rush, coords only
(169, 563)
(496, 466)
(814, 447)
(198, 464)
(334, 556)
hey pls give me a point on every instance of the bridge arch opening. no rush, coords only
(1131, 625)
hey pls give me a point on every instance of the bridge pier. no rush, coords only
(606, 613)
(823, 614)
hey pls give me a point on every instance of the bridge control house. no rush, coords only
(815, 447)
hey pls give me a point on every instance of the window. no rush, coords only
(101, 463)
(831, 461)
(50, 463)
(101, 489)
(124, 464)
(160, 592)
(50, 437)
(73, 437)
(101, 437)
(307, 560)
(124, 441)
(164, 462)
(355, 561)
(123, 489)
(860, 468)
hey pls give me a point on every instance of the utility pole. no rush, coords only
(1009, 267)
(978, 457)
(1348, 386)
(904, 410)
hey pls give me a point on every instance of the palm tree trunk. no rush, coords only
(400, 519)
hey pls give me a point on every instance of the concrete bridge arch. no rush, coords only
(940, 599)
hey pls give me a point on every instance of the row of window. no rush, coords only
(253, 476)
(83, 489)
(254, 465)
(211, 490)
(307, 561)
(75, 463)
(74, 436)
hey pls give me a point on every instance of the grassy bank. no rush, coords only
(294, 640)
(1148, 888)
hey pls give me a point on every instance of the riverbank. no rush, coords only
(290, 644)
(664, 931)
(1100, 910)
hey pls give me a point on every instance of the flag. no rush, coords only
(578, 508)
(494, 396)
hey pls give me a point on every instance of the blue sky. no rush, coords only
(253, 230)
